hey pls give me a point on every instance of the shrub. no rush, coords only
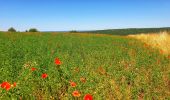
(11, 29)
(33, 30)
(73, 31)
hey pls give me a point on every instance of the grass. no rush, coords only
(112, 67)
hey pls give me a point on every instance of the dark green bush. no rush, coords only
(73, 31)
(11, 29)
(33, 30)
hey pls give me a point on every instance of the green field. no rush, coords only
(112, 67)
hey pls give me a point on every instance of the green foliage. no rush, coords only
(11, 29)
(73, 31)
(33, 30)
(114, 67)
(130, 31)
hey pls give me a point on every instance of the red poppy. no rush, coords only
(15, 84)
(6, 85)
(88, 97)
(76, 93)
(73, 84)
(57, 61)
(44, 75)
(33, 69)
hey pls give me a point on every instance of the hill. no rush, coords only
(130, 31)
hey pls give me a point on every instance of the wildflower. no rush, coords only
(73, 84)
(88, 97)
(14, 84)
(76, 93)
(57, 61)
(44, 75)
(6, 85)
(83, 80)
(33, 69)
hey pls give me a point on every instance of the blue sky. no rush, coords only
(62, 15)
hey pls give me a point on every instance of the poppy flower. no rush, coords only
(73, 84)
(33, 69)
(57, 61)
(15, 84)
(76, 93)
(6, 85)
(88, 97)
(44, 75)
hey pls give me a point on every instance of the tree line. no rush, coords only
(30, 30)
(131, 31)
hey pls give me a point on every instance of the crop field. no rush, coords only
(160, 40)
(81, 66)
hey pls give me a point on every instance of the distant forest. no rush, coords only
(130, 31)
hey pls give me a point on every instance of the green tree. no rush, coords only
(33, 30)
(11, 29)
(73, 31)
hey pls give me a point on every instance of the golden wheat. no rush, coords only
(160, 40)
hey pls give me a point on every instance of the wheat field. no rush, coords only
(160, 41)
